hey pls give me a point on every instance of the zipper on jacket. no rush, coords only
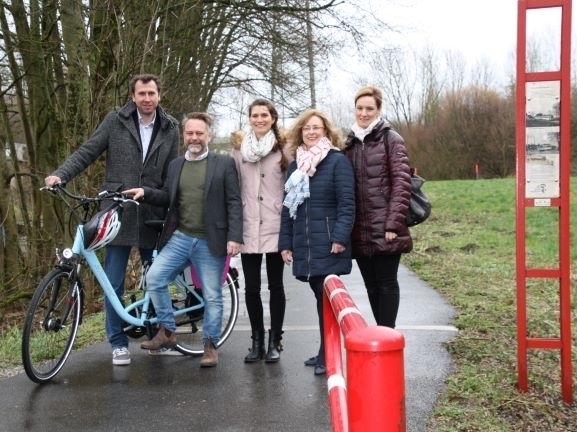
(363, 210)
(309, 259)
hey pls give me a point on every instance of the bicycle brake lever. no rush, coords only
(123, 199)
(52, 189)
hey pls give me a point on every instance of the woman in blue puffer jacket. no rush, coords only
(319, 209)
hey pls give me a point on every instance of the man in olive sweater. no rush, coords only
(203, 226)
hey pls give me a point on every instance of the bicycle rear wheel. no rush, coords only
(51, 325)
(189, 332)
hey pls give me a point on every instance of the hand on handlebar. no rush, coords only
(134, 193)
(52, 181)
(116, 196)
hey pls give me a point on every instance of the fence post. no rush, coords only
(374, 387)
(375, 380)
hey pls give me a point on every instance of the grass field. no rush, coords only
(466, 251)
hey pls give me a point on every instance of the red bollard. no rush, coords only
(376, 380)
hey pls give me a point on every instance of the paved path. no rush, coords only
(173, 393)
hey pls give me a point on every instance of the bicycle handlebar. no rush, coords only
(102, 196)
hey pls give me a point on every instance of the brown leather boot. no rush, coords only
(210, 356)
(163, 339)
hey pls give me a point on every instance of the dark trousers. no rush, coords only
(380, 276)
(251, 267)
(317, 283)
(115, 263)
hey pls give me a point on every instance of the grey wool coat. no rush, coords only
(118, 135)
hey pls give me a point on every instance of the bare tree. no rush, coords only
(66, 64)
(394, 72)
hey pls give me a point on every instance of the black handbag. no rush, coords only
(419, 205)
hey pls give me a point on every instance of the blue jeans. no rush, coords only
(115, 262)
(181, 251)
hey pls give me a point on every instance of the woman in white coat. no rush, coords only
(261, 161)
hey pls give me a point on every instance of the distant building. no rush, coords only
(21, 154)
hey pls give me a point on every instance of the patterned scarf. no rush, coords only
(254, 149)
(297, 185)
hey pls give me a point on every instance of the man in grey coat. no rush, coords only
(140, 139)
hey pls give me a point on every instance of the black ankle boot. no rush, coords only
(274, 347)
(257, 351)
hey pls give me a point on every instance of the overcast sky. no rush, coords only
(475, 28)
(481, 30)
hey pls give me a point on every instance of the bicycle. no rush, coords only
(56, 309)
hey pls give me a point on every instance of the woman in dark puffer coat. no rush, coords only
(383, 191)
(318, 210)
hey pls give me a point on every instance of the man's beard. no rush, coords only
(195, 148)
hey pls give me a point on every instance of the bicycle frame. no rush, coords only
(143, 304)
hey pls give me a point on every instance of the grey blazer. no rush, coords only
(222, 206)
(119, 137)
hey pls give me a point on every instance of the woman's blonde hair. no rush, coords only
(373, 92)
(295, 134)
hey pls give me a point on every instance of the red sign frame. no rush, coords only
(562, 273)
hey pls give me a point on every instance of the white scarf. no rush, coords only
(361, 133)
(254, 149)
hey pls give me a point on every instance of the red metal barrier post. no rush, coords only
(376, 380)
(375, 383)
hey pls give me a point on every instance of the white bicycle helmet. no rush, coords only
(102, 228)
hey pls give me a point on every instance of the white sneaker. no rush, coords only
(120, 356)
(165, 351)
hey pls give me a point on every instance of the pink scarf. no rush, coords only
(297, 185)
(308, 159)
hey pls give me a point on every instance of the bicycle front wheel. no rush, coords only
(189, 334)
(51, 325)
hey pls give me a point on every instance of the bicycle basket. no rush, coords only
(102, 228)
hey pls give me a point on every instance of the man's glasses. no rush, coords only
(312, 128)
